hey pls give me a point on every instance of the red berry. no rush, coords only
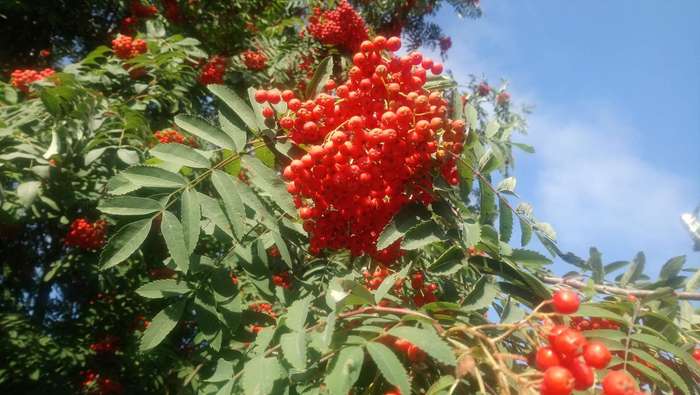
(696, 354)
(583, 374)
(261, 96)
(597, 354)
(565, 301)
(570, 342)
(554, 332)
(545, 358)
(393, 44)
(268, 112)
(618, 382)
(415, 354)
(557, 381)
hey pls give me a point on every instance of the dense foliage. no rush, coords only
(271, 197)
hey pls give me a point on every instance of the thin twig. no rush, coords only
(609, 289)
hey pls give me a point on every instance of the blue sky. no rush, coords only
(615, 87)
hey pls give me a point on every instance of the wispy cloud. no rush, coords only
(592, 183)
(591, 177)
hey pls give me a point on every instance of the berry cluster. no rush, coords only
(86, 235)
(586, 324)
(445, 44)
(109, 344)
(263, 308)
(140, 10)
(503, 98)
(568, 362)
(21, 79)
(404, 347)
(213, 70)
(341, 26)
(166, 136)
(172, 11)
(371, 147)
(254, 60)
(126, 47)
(94, 384)
(423, 292)
(282, 279)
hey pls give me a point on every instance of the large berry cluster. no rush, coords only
(371, 147)
(166, 136)
(254, 60)
(126, 47)
(213, 70)
(341, 26)
(86, 235)
(21, 79)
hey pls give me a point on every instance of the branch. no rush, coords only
(609, 289)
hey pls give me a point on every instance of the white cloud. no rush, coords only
(592, 183)
(590, 177)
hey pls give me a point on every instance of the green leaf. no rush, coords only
(427, 341)
(422, 235)
(345, 371)
(481, 296)
(120, 185)
(529, 258)
(130, 157)
(161, 325)
(614, 266)
(388, 283)
(635, 270)
(488, 162)
(321, 76)
(129, 205)
(153, 177)
(282, 247)
(294, 349)
(506, 185)
(590, 310)
(191, 217)
(663, 345)
(159, 289)
(28, 191)
(441, 385)
(671, 268)
(180, 154)
(472, 117)
(390, 366)
(595, 262)
(407, 218)
(505, 220)
(174, 237)
(451, 256)
(492, 128)
(236, 104)
(487, 203)
(226, 187)
(296, 314)
(127, 240)
(260, 374)
(649, 373)
(675, 379)
(238, 135)
(270, 183)
(205, 131)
